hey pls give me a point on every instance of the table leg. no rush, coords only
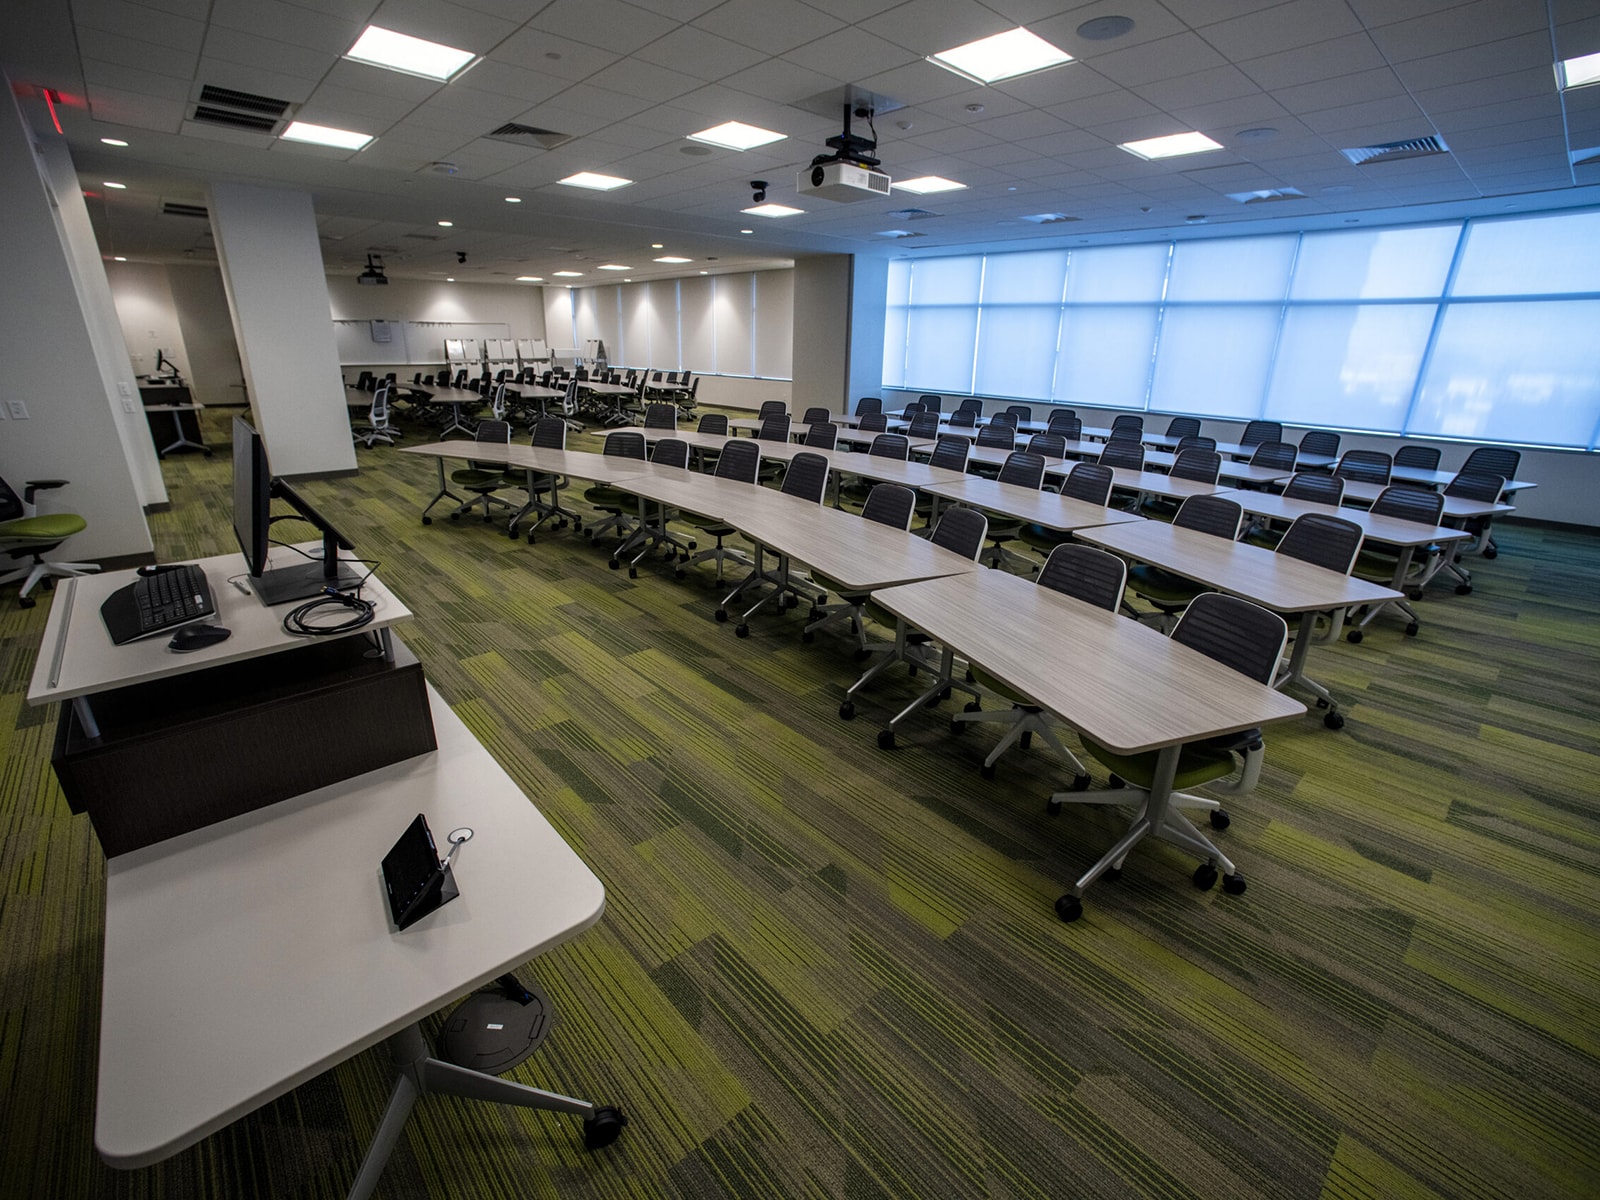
(80, 706)
(444, 491)
(1295, 672)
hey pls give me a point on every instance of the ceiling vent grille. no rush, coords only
(424, 237)
(529, 135)
(173, 208)
(235, 120)
(910, 214)
(1267, 195)
(1423, 147)
(1049, 218)
(240, 110)
(901, 233)
(244, 101)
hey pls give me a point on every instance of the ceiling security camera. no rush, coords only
(461, 256)
(759, 188)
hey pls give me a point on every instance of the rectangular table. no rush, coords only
(243, 959)
(1031, 505)
(1233, 472)
(1115, 680)
(1274, 581)
(533, 460)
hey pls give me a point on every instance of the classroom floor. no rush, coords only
(830, 971)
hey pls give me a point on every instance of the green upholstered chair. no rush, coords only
(888, 504)
(27, 535)
(1169, 592)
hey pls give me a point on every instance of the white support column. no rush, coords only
(278, 295)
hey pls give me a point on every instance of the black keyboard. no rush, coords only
(155, 603)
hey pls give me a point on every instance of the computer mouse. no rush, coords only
(197, 637)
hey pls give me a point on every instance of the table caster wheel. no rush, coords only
(1354, 637)
(1052, 807)
(1463, 589)
(614, 564)
(26, 602)
(742, 630)
(722, 614)
(1415, 594)
(429, 521)
(1233, 884)
(885, 739)
(530, 539)
(1069, 907)
(1491, 552)
(972, 706)
(1334, 720)
(633, 572)
(807, 636)
(1026, 740)
(847, 711)
(455, 516)
(863, 655)
(957, 728)
(1205, 877)
(1220, 819)
(1411, 629)
(602, 1127)
(988, 770)
(1080, 783)
(1111, 874)
(1117, 781)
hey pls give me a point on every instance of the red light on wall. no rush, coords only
(51, 96)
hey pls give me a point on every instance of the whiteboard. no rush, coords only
(356, 347)
(414, 343)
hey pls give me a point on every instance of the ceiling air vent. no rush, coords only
(1267, 195)
(240, 110)
(1049, 218)
(246, 101)
(1423, 147)
(234, 120)
(529, 135)
(172, 208)
(910, 214)
(424, 237)
(901, 233)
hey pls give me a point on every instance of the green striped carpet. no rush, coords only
(827, 971)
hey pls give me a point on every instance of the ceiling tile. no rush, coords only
(1094, 111)
(1529, 52)
(504, 79)
(128, 52)
(141, 23)
(1280, 28)
(781, 81)
(1516, 85)
(928, 26)
(439, 21)
(699, 53)
(1463, 26)
(850, 54)
(347, 108)
(1181, 54)
(1201, 88)
(1325, 60)
(677, 10)
(536, 50)
(1225, 116)
(135, 110)
(290, 23)
(131, 79)
(243, 78)
(611, 24)
(1340, 91)
(764, 26)
(237, 46)
(1398, 112)
(644, 80)
(853, 10)
(1152, 21)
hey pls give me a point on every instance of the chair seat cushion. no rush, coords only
(1041, 538)
(471, 477)
(1163, 587)
(1198, 763)
(604, 496)
(46, 525)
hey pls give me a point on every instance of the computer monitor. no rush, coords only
(253, 491)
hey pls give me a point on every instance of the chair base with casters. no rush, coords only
(618, 505)
(656, 535)
(719, 553)
(851, 608)
(27, 536)
(786, 590)
(40, 570)
(1022, 721)
(915, 651)
(537, 486)
(482, 485)
(1395, 571)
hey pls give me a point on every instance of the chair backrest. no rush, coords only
(716, 423)
(661, 416)
(1422, 505)
(910, 410)
(550, 433)
(1129, 421)
(492, 433)
(774, 428)
(1476, 485)
(1051, 445)
(807, 477)
(625, 444)
(1086, 573)
(1089, 482)
(873, 422)
(890, 445)
(739, 459)
(963, 418)
(380, 405)
(1194, 441)
(12, 507)
(823, 434)
(1202, 466)
(962, 530)
(1235, 633)
(971, 404)
(815, 414)
(1123, 452)
(925, 424)
(1023, 469)
(868, 405)
(460, 379)
(1424, 457)
(951, 452)
(1320, 441)
(1365, 466)
(1182, 427)
(1007, 417)
(890, 504)
(1317, 487)
(1062, 414)
(1067, 424)
(772, 408)
(363, 379)
(1001, 436)
(1257, 432)
(1275, 456)
(1493, 460)
(1324, 541)
(1215, 515)
(671, 452)
(930, 403)
(1021, 411)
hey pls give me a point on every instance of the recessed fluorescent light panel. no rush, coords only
(114, 141)
(409, 55)
(736, 135)
(595, 181)
(1170, 146)
(322, 135)
(1578, 72)
(1003, 56)
(772, 210)
(530, 278)
(614, 267)
(928, 183)
(568, 274)
(671, 258)
(117, 186)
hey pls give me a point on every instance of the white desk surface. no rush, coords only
(1389, 530)
(1050, 509)
(89, 663)
(1239, 472)
(1275, 581)
(1117, 680)
(606, 389)
(582, 464)
(1455, 507)
(1158, 484)
(247, 957)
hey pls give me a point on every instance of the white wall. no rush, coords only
(52, 291)
(517, 305)
(148, 314)
(215, 376)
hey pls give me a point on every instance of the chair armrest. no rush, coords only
(40, 485)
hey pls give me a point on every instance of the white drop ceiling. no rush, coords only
(1283, 86)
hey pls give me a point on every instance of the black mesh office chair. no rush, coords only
(1257, 432)
(868, 405)
(805, 478)
(1171, 593)
(1088, 482)
(739, 460)
(1378, 562)
(1320, 442)
(1182, 427)
(1128, 425)
(549, 433)
(888, 504)
(1193, 463)
(668, 452)
(484, 478)
(1024, 470)
(822, 435)
(1365, 466)
(1490, 460)
(618, 503)
(1422, 458)
(815, 415)
(1066, 423)
(1486, 489)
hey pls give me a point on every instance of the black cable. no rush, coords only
(297, 622)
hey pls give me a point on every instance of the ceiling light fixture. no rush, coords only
(929, 183)
(1578, 72)
(114, 141)
(513, 199)
(119, 258)
(614, 267)
(657, 246)
(672, 258)
(772, 210)
(595, 181)
(447, 224)
(568, 274)
(393, 51)
(747, 231)
(323, 135)
(1003, 56)
(117, 186)
(736, 135)
(1170, 146)
(530, 278)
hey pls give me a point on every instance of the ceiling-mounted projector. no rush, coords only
(850, 173)
(373, 275)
